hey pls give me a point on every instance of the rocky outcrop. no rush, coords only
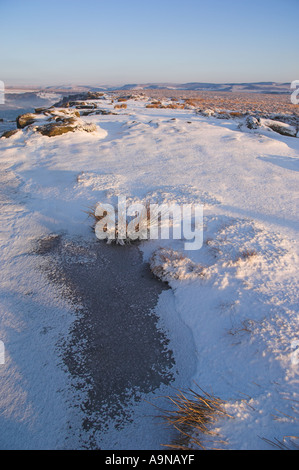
(206, 112)
(102, 112)
(53, 121)
(280, 127)
(63, 126)
(54, 129)
(40, 110)
(67, 101)
(95, 95)
(252, 122)
(25, 120)
(8, 134)
(288, 125)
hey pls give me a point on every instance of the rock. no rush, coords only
(64, 120)
(86, 106)
(68, 113)
(54, 129)
(65, 125)
(87, 113)
(280, 127)
(8, 134)
(104, 112)
(93, 95)
(223, 115)
(208, 112)
(65, 112)
(40, 110)
(66, 100)
(25, 120)
(252, 122)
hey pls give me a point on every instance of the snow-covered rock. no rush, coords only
(252, 122)
(280, 127)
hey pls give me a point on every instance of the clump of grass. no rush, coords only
(246, 254)
(287, 443)
(175, 106)
(143, 224)
(91, 212)
(167, 265)
(162, 259)
(192, 416)
(245, 327)
(120, 106)
(195, 102)
(153, 106)
(237, 114)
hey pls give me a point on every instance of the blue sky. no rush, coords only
(130, 41)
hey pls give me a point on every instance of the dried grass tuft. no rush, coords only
(121, 106)
(192, 415)
(246, 255)
(287, 443)
(167, 265)
(144, 223)
(195, 102)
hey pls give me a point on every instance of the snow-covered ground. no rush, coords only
(233, 328)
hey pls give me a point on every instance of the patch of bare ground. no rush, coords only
(236, 102)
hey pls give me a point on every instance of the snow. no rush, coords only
(232, 312)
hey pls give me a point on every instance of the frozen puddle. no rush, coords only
(115, 351)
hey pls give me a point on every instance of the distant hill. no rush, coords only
(256, 87)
